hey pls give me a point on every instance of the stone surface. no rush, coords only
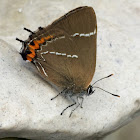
(128, 132)
(25, 106)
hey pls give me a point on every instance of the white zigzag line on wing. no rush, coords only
(84, 35)
(57, 53)
(41, 68)
(50, 42)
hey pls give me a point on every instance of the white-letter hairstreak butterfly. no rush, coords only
(64, 53)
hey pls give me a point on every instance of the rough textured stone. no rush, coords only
(25, 106)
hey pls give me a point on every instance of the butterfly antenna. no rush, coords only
(107, 91)
(28, 30)
(102, 79)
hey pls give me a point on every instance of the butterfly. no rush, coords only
(64, 53)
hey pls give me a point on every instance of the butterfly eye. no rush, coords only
(90, 90)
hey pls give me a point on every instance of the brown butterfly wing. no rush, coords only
(70, 57)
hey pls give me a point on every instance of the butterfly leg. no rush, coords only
(81, 101)
(74, 103)
(58, 94)
(75, 107)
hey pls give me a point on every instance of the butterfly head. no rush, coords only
(90, 90)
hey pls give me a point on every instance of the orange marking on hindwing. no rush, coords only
(40, 41)
(34, 47)
(31, 46)
(29, 58)
(32, 54)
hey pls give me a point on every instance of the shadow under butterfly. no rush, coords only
(64, 53)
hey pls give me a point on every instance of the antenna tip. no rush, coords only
(110, 75)
(116, 95)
